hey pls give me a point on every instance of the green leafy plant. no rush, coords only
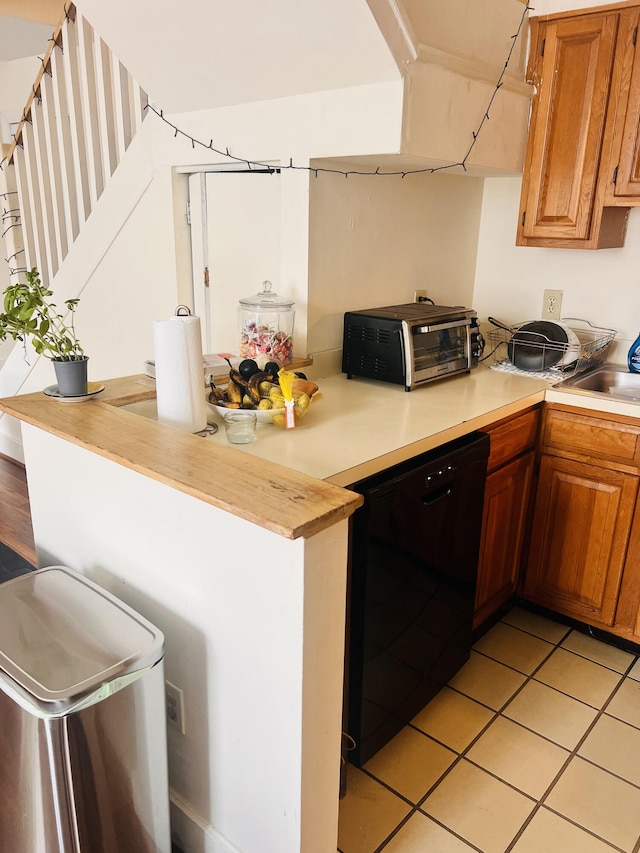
(29, 312)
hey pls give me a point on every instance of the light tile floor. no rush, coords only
(533, 747)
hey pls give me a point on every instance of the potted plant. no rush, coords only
(29, 312)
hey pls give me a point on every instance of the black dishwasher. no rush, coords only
(413, 567)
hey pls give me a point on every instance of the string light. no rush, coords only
(250, 164)
(8, 228)
(14, 256)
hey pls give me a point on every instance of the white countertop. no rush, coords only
(357, 427)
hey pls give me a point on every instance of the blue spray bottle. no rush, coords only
(633, 359)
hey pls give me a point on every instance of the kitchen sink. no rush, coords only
(614, 380)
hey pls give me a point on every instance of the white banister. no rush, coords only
(106, 112)
(11, 221)
(82, 114)
(72, 71)
(44, 191)
(68, 173)
(91, 110)
(59, 225)
(30, 208)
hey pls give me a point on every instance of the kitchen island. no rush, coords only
(239, 556)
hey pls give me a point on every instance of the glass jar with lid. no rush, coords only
(266, 326)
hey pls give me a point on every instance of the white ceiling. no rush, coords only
(19, 38)
(203, 54)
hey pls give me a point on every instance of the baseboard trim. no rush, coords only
(189, 831)
(11, 448)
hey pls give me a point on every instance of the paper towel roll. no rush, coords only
(180, 391)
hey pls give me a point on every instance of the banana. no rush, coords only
(253, 385)
(236, 376)
(235, 392)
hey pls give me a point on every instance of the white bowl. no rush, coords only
(574, 347)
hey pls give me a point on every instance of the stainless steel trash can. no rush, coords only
(83, 751)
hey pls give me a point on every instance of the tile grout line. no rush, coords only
(498, 713)
(459, 755)
(463, 755)
(573, 754)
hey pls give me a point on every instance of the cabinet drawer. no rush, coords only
(512, 437)
(615, 440)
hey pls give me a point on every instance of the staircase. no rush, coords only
(83, 112)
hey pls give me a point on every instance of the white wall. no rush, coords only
(546, 7)
(16, 79)
(600, 286)
(211, 54)
(254, 636)
(301, 130)
(374, 240)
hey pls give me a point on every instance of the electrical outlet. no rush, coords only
(419, 295)
(552, 305)
(175, 706)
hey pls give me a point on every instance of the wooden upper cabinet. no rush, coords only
(583, 67)
(624, 184)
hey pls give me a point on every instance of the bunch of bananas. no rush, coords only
(263, 391)
(240, 393)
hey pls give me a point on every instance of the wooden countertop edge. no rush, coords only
(279, 499)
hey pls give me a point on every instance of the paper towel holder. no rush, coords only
(183, 311)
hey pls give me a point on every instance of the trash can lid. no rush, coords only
(62, 636)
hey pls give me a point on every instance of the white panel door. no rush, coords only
(241, 223)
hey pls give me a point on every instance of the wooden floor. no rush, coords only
(15, 514)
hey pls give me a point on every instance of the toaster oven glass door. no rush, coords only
(440, 349)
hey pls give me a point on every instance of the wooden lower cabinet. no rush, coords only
(503, 527)
(506, 505)
(580, 533)
(584, 550)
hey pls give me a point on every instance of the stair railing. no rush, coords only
(83, 112)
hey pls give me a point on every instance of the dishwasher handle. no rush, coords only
(436, 495)
(439, 484)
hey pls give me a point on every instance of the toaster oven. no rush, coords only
(410, 344)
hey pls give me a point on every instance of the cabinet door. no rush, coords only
(564, 148)
(581, 529)
(625, 157)
(506, 500)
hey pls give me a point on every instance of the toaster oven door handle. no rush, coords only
(407, 359)
(421, 330)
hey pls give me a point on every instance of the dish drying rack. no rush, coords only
(595, 342)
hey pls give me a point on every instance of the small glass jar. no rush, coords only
(266, 326)
(240, 425)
